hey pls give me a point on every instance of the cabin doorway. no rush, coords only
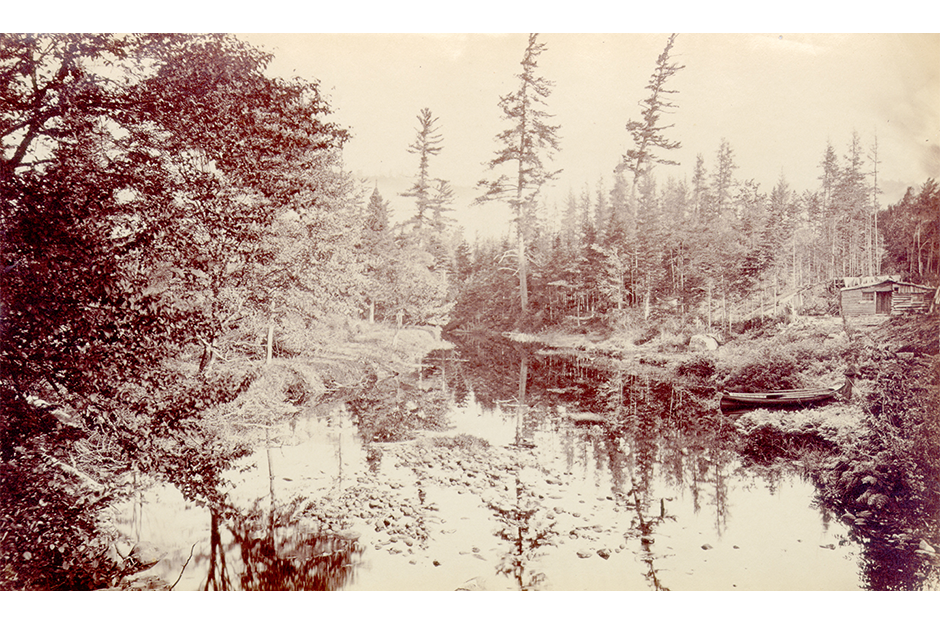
(883, 303)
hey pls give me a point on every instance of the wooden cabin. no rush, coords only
(884, 298)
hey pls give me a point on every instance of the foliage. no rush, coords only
(912, 235)
(142, 178)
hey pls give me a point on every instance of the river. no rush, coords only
(497, 467)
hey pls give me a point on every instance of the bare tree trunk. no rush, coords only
(270, 350)
(523, 273)
(709, 305)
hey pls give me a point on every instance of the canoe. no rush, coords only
(799, 397)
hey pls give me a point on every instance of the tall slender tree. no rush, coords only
(699, 187)
(647, 134)
(427, 144)
(874, 255)
(723, 178)
(525, 144)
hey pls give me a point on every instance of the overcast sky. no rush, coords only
(776, 98)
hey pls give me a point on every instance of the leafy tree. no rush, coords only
(141, 178)
(529, 138)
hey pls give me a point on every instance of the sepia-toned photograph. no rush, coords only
(470, 312)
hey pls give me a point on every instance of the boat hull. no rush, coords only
(803, 397)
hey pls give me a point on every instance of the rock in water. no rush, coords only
(584, 553)
(143, 556)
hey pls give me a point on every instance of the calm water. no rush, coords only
(496, 468)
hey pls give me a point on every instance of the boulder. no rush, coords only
(702, 342)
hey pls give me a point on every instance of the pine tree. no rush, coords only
(529, 138)
(376, 218)
(828, 179)
(647, 134)
(850, 201)
(427, 144)
(699, 187)
(723, 178)
(874, 253)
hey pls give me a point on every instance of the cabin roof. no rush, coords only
(887, 281)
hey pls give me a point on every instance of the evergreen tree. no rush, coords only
(850, 204)
(828, 179)
(647, 134)
(528, 140)
(911, 234)
(440, 203)
(601, 209)
(699, 187)
(571, 222)
(427, 144)
(723, 178)
(380, 251)
(376, 217)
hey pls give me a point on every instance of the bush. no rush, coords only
(698, 366)
(767, 369)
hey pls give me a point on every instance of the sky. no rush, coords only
(776, 98)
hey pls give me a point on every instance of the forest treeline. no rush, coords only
(704, 250)
(165, 202)
(677, 250)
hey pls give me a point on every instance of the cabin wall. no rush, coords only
(910, 299)
(905, 298)
(855, 303)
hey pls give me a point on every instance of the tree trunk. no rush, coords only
(523, 274)
(270, 349)
(709, 305)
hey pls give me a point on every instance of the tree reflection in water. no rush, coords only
(278, 556)
(524, 525)
(641, 432)
(522, 520)
(648, 439)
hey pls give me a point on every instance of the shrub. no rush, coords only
(698, 366)
(767, 369)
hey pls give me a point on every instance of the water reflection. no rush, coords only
(273, 555)
(522, 471)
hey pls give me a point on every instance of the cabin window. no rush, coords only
(868, 296)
